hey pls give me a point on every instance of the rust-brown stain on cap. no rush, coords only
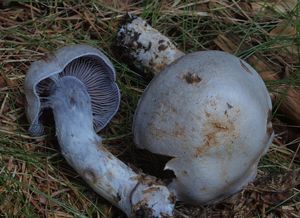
(211, 130)
(191, 78)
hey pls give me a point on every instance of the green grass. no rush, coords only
(36, 181)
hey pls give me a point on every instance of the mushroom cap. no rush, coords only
(210, 111)
(87, 64)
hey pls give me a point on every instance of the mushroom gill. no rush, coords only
(85, 63)
(100, 86)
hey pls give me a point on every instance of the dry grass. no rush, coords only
(35, 180)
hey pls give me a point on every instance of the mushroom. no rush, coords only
(78, 84)
(209, 110)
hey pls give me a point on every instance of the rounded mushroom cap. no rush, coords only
(87, 64)
(210, 111)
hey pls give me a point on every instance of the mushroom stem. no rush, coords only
(133, 193)
(146, 46)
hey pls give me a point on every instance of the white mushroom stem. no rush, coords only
(146, 46)
(133, 193)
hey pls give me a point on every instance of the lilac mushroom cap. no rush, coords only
(84, 63)
(211, 112)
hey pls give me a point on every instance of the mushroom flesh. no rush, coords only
(78, 84)
(210, 111)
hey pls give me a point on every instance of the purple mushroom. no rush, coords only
(78, 84)
(210, 111)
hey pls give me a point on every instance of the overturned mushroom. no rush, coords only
(86, 64)
(208, 110)
(78, 84)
